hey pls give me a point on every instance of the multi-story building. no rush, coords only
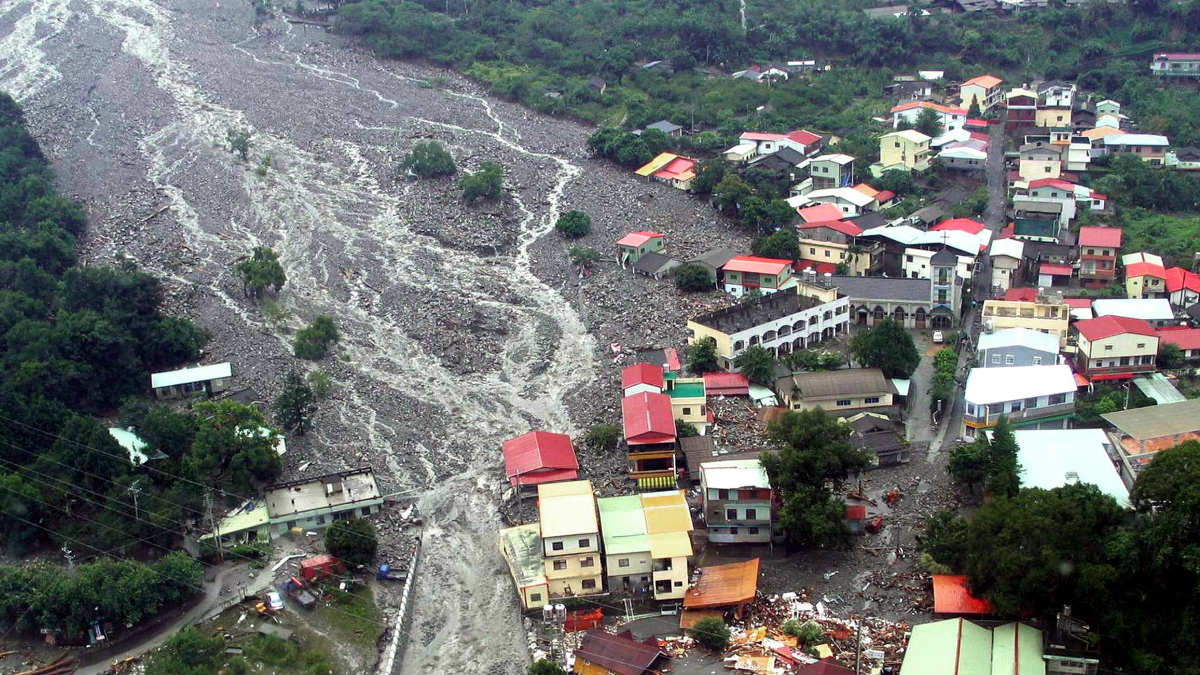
(1183, 287)
(637, 244)
(781, 322)
(849, 201)
(1145, 280)
(646, 543)
(832, 170)
(1021, 109)
(844, 391)
(1056, 100)
(1150, 148)
(1098, 251)
(908, 113)
(737, 501)
(521, 548)
(1115, 347)
(1016, 347)
(688, 400)
(1046, 314)
(1007, 260)
(1175, 65)
(918, 264)
(570, 534)
(908, 148)
(1037, 397)
(314, 503)
(836, 243)
(649, 427)
(983, 90)
(746, 273)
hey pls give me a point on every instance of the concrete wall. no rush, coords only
(571, 544)
(1015, 355)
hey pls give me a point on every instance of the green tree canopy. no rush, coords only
(702, 356)
(233, 445)
(886, 346)
(693, 278)
(757, 364)
(486, 183)
(429, 159)
(260, 271)
(314, 340)
(711, 632)
(573, 224)
(352, 540)
(782, 244)
(296, 404)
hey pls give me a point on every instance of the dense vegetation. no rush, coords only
(190, 652)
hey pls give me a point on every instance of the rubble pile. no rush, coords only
(737, 427)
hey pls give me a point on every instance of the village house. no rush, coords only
(1052, 458)
(908, 113)
(906, 149)
(831, 170)
(1021, 105)
(878, 436)
(1098, 251)
(1150, 148)
(835, 242)
(918, 263)
(745, 273)
(209, 380)
(737, 501)
(1183, 159)
(1016, 347)
(649, 429)
(1054, 274)
(964, 156)
(1040, 397)
(647, 543)
(1156, 311)
(849, 201)
(1145, 280)
(897, 239)
(668, 127)
(570, 534)
(712, 262)
(249, 523)
(539, 457)
(314, 503)
(521, 548)
(1140, 433)
(841, 392)
(688, 399)
(602, 653)
(641, 377)
(1056, 101)
(1175, 64)
(636, 244)
(1183, 287)
(983, 90)
(1007, 263)
(1039, 162)
(674, 170)
(954, 646)
(781, 322)
(820, 213)
(1046, 314)
(655, 265)
(1115, 347)
(751, 144)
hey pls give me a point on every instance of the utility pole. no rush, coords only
(135, 490)
(858, 647)
(70, 556)
(208, 506)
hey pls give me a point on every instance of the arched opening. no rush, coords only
(798, 343)
(785, 330)
(739, 345)
(812, 320)
(862, 316)
(769, 335)
(827, 315)
(879, 313)
(785, 348)
(919, 317)
(940, 321)
(899, 315)
(753, 340)
(798, 325)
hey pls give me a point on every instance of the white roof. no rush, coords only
(171, 378)
(1148, 309)
(957, 134)
(835, 157)
(1053, 458)
(1136, 139)
(844, 193)
(1141, 256)
(1019, 337)
(995, 385)
(742, 148)
(963, 152)
(911, 236)
(1082, 313)
(1011, 247)
(911, 135)
(734, 473)
(567, 508)
(931, 74)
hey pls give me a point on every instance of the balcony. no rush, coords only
(1099, 372)
(989, 419)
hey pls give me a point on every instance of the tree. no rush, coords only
(693, 278)
(731, 191)
(429, 159)
(886, 346)
(573, 224)
(685, 429)
(1170, 356)
(929, 123)
(352, 540)
(260, 271)
(780, 214)
(969, 463)
(711, 632)
(1004, 471)
(582, 255)
(782, 244)
(895, 180)
(487, 183)
(602, 437)
(757, 364)
(702, 356)
(233, 445)
(188, 652)
(973, 110)
(544, 667)
(239, 142)
(296, 404)
(707, 177)
(813, 447)
(21, 503)
(314, 340)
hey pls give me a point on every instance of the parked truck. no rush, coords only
(387, 573)
(321, 567)
(294, 588)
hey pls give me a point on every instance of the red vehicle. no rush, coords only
(320, 567)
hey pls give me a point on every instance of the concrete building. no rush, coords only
(1156, 311)
(636, 244)
(842, 392)
(746, 273)
(1140, 433)
(649, 429)
(1051, 458)
(1150, 148)
(1047, 314)
(688, 399)
(737, 501)
(1021, 105)
(954, 646)
(250, 523)
(570, 534)
(1115, 348)
(647, 543)
(208, 380)
(1145, 280)
(1176, 64)
(781, 322)
(314, 503)
(908, 113)
(521, 548)
(1007, 261)
(1099, 248)
(907, 149)
(831, 170)
(1016, 347)
(1039, 397)
(837, 242)
(983, 90)
(918, 264)
(914, 303)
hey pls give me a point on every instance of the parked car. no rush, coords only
(938, 337)
(274, 601)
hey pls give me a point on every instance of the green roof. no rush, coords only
(688, 390)
(134, 445)
(250, 516)
(1035, 227)
(948, 647)
(623, 525)
(1017, 650)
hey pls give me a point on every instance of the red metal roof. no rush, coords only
(1024, 294)
(825, 666)
(1097, 195)
(856, 512)
(1113, 376)
(1052, 182)
(673, 363)
(821, 213)
(951, 596)
(822, 268)
(619, 654)
(1145, 269)
(727, 384)
(843, 226)
(1008, 231)
(976, 122)
(1078, 303)
(1184, 338)
(961, 224)
(1055, 270)
(675, 169)
(884, 196)
(638, 238)
(803, 137)
(1081, 381)
(979, 136)
(647, 418)
(1100, 236)
(749, 263)
(642, 373)
(1107, 326)
(539, 457)
(1186, 56)
(1179, 279)
(985, 81)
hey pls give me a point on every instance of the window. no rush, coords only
(752, 530)
(910, 258)
(587, 562)
(687, 411)
(366, 510)
(842, 255)
(722, 494)
(560, 564)
(623, 562)
(1009, 360)
(320, 520)
(584, 543)
(871, 399)
(1124, 360)
(996, 359)
(731, 514)
(827, 253)
(1108, 348)
(1091, 251)
(1037, 360)
(733, 530)
(1141, 345)
(556, 546)
(1055, 399)
(1047, 169)
(750, 514)
(812, 251)
(589, 584)
(1016, 406)
(1031, 402)
(701, 410)
(535, 597)
(842, 402)
(995, 408)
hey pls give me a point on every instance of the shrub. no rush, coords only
(486, 183)
(313, 341)
(692, 278)
(710, 632)
(429, 160)
(582, 255)
(602, 437)
(574, 224)
(352, 540)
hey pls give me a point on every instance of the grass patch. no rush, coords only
(274, 312)
(355, 618)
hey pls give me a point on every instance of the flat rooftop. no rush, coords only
(1165, 419)
(746, 315)
(348, 487)
(522, 548)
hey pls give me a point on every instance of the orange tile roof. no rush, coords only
(933, 106)
(985, 81)
(724, 585)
